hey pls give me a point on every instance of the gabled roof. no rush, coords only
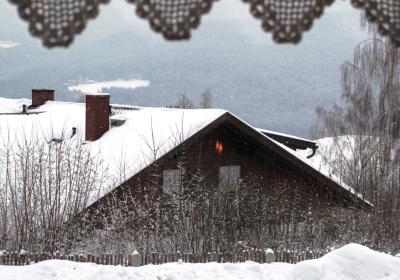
(334, 183)
(145, 136)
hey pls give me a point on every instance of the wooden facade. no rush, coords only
(230, 142)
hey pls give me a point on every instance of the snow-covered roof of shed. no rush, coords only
(324, 169)
(283, 134)
(315, 165)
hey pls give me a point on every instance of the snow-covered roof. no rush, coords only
(146, 134)
(9, 106)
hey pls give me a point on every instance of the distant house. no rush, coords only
(225, 149)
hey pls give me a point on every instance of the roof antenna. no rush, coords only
(73, 132)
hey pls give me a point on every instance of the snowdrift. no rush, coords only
(351, 262)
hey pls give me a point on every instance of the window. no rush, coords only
(172, 181)
(219, 147)
(229, 176)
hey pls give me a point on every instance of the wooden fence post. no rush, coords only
(269, 255)
(153, 258)
(136, 259)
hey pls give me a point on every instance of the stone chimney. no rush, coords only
(40, 96)
(97, 116)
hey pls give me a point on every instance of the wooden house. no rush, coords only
(160, 148)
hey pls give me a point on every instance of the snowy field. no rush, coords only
(8, 44)
(351, 262)
(96, 87)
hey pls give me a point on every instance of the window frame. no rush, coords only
(175, 177)
(229, 176)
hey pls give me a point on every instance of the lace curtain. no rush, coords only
(56, 22)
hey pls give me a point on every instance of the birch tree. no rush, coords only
(365, 150)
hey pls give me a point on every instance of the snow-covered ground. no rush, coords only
(96, 87)
(8, 44)
(351, 262)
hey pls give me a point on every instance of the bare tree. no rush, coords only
(42, 185)
(184, 102)
(206, 99)
(365, 133)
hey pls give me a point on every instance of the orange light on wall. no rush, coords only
(219, 147)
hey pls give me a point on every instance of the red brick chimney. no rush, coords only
(40, 96)
(97, 116)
